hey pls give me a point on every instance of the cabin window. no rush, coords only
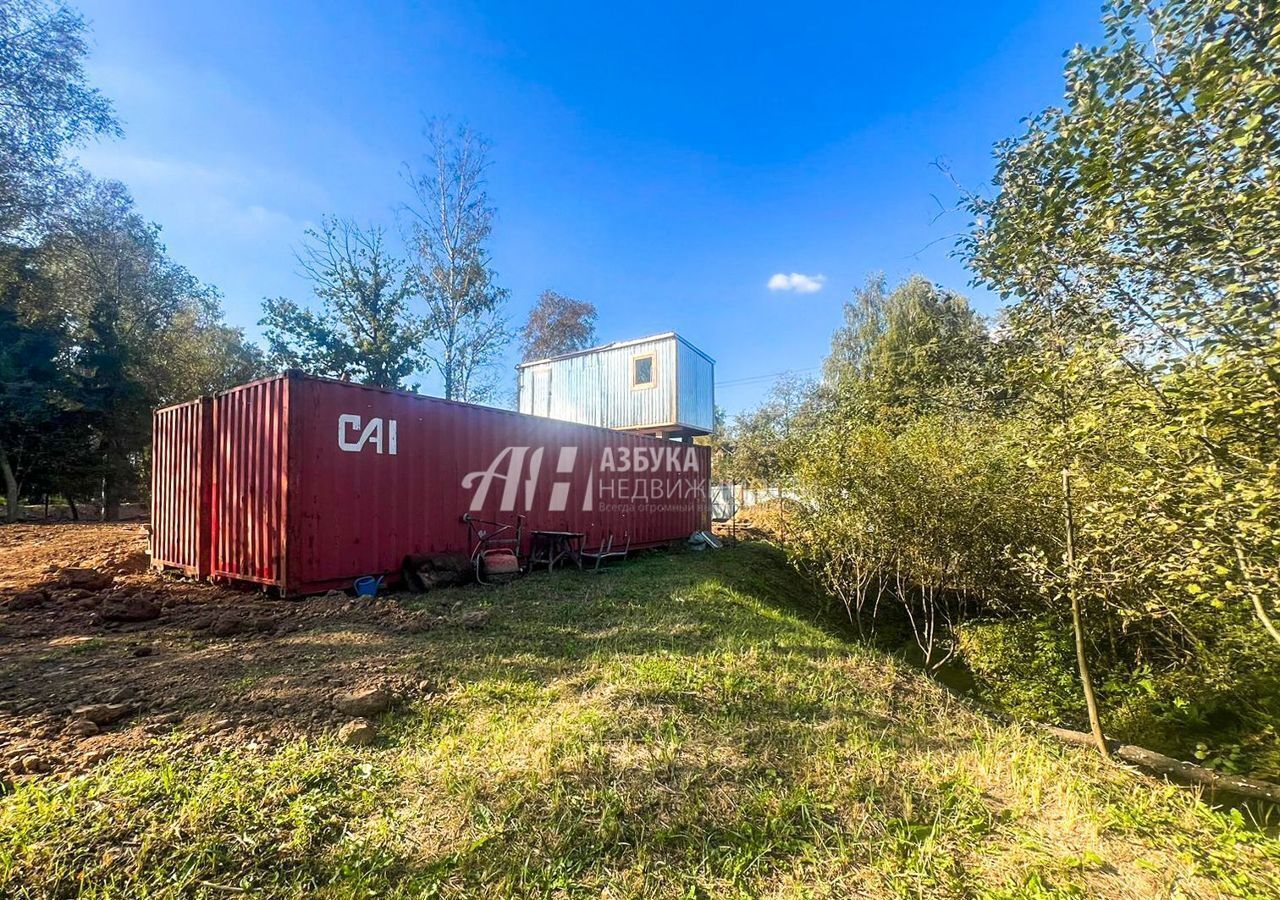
(642, 371)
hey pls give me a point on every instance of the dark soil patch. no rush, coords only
(84, 622)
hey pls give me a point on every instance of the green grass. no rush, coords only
(681, 725)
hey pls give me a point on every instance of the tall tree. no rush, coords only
(915, 344)
(364, 329)
(760, 447)
(134, 321)
(31, 379)
(557, 324)
(449, 223)
(1147, 207)
(46, 107)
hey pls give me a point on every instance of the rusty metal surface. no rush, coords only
(180, 486)
(316, 482)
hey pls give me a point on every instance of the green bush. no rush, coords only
(1221, 711)
(1025, 666)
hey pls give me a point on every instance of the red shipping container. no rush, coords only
(181, 466)
(317, 482)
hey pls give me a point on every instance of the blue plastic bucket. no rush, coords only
(368, 586)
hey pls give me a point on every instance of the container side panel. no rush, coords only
(247, 468)
(180, 484)
(696, 389)
(377, 475)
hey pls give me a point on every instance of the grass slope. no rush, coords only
(681, 725)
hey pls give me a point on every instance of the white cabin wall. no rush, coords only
(595, 388)
(696, 389)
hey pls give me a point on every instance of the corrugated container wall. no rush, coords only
(250, 474)
(600, 387)
(696, 389)
(180, 486)
(317, 482)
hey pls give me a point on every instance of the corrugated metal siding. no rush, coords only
(249, 478)
(309, 488)
(696, 388)
(181, 479)
(356, 512)
(595, 388)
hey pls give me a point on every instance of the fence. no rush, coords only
(728, 499)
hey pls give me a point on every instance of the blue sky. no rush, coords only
(661, 161)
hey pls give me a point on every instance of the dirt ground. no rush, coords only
(88, 632)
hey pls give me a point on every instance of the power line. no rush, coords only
(752, 379)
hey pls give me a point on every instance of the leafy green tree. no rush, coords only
(919, 345)
(208, 355)
(364, 329)
(46, 107)
(759, 448)
(1146, 209)
(557, 324)
(97, 324)
(32, 384)
(135, 323)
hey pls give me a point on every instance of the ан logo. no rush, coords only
(624, 474)
(509, 468)
(371, 433)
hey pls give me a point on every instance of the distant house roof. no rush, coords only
(616, 345)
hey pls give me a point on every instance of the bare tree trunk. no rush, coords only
(75, 511)
(11, 488)
(1259, 608)
(1176, 769)
(110, 499)
(113, 480)
(1077, 619)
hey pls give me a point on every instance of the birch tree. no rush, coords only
(449, 224)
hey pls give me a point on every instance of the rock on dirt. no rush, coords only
(33, 764)
(131, 609)
(231, 624)
(81, 728)
(358, 733)
(102, 713)
(26, 600)
(365, 702)
(133, 563)
(83, 579)
(97, 755)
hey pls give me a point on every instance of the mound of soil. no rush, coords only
(99, 654)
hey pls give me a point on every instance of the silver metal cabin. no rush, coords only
(657, 385)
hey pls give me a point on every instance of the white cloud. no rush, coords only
(801, 284)
(182, 193)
